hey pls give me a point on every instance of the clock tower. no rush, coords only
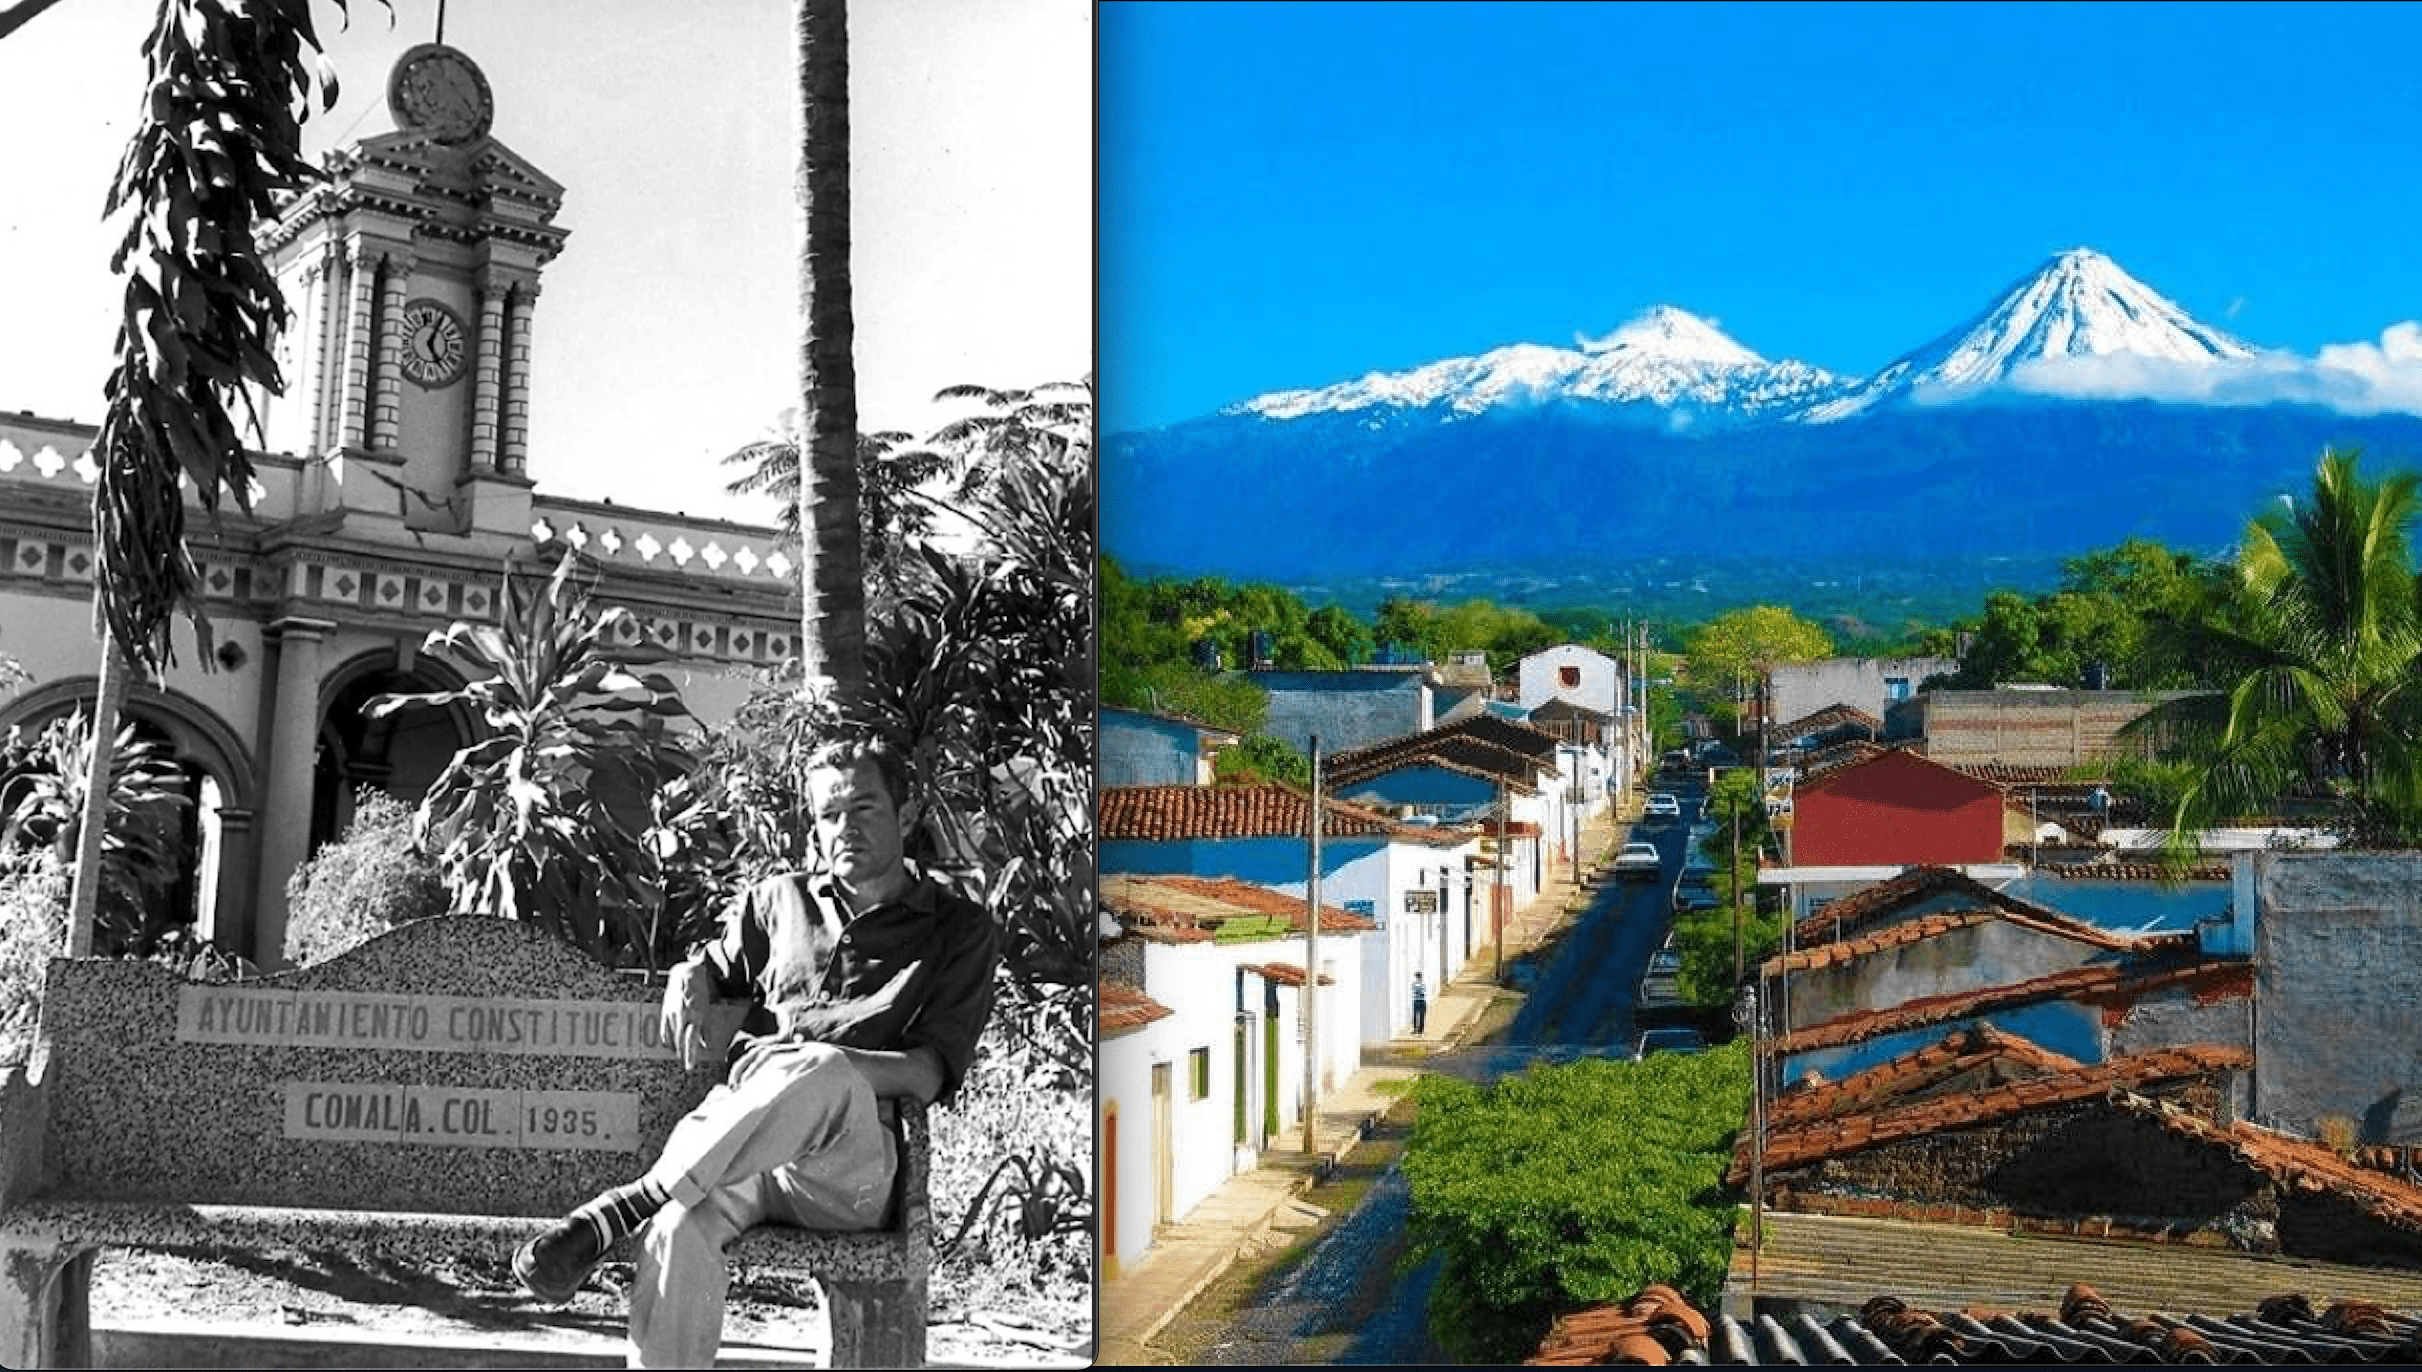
(412, 272)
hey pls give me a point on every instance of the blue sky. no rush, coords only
(1294, 195)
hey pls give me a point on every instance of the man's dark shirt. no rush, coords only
(915, 972)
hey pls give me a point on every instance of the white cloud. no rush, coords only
(2351, 378)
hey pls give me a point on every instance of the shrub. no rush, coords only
(1570, 1186)
(362, 885)
(1016, 1150)
(33, 930)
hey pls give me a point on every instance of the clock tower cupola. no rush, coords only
(412, 271)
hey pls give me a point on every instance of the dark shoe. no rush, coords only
(554, 1264)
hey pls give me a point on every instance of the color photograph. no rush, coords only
(1758, 683)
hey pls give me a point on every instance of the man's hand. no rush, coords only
(686, 993)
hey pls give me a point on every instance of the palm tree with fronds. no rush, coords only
(2318, 642)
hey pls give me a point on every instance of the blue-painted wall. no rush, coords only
(1346, 709)
(1441, 791)
(2125, 905)
(1141, 750)
(2060, 1025)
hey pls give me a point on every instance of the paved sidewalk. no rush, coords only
(1186, 1257)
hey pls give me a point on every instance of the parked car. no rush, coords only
(1693, 893)
(1638, 862)
(1668, 1040)
(1662, 807)
(1665, 962)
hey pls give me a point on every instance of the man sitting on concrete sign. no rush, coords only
(868, 980)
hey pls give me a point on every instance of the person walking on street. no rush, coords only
(1421, 1004)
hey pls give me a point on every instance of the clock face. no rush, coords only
(440, 92)
(434, 346)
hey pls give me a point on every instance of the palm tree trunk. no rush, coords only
(832, 561)
(92, 828)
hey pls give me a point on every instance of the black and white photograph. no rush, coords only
(547, 689)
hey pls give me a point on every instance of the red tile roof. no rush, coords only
(1510, 735)
(1975, 1048)
(1164, 813)
(1125, 1007)
(2106, 984)
(1558, 707)
(1849, 915)
(1930, 926)
(1455, 753)
(1831, 717)
(2131, 871)
(1812, 1139)
(1651, 1329)
(1837, 756)
(1887, 1330)
(1205, 903)
(2296, 1164)
(1285, 973)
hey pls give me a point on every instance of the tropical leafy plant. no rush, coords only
(42, 785)
(2318, 645)
(33, 922)
(520, 821)
(362, 885)
(1571, 1185)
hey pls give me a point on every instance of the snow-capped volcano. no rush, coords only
(1664, 357)
(2080, 304)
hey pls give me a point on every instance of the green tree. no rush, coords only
(1735, 651)
(1262, 758)
(519, 821)
(2319, 646)
(1571, 1185)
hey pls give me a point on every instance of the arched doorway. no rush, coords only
(402, 754)
(209, 849)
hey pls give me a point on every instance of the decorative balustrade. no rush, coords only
(61, 455)
(665, 543)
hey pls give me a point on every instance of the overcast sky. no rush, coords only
(666, 334)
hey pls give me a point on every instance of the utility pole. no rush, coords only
(1740, 954)
(1312, 965)
(1573, 795)
(1497, 893)
(1442, 929)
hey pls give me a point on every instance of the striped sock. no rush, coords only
(616, 1213)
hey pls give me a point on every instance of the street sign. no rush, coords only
(1422, 901)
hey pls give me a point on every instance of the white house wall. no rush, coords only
(1600, 686)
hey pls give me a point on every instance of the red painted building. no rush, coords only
(1895, 808)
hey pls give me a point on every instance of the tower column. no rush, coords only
(486, 398)
(285, 818)
(355, 404)
(327, 353)
(516, 453)
(395, 274)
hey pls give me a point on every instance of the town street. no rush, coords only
(1577, 1001)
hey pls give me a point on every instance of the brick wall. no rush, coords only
(2027, 728)
(2095, 1168)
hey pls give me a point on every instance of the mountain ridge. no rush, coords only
(2077, 304)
